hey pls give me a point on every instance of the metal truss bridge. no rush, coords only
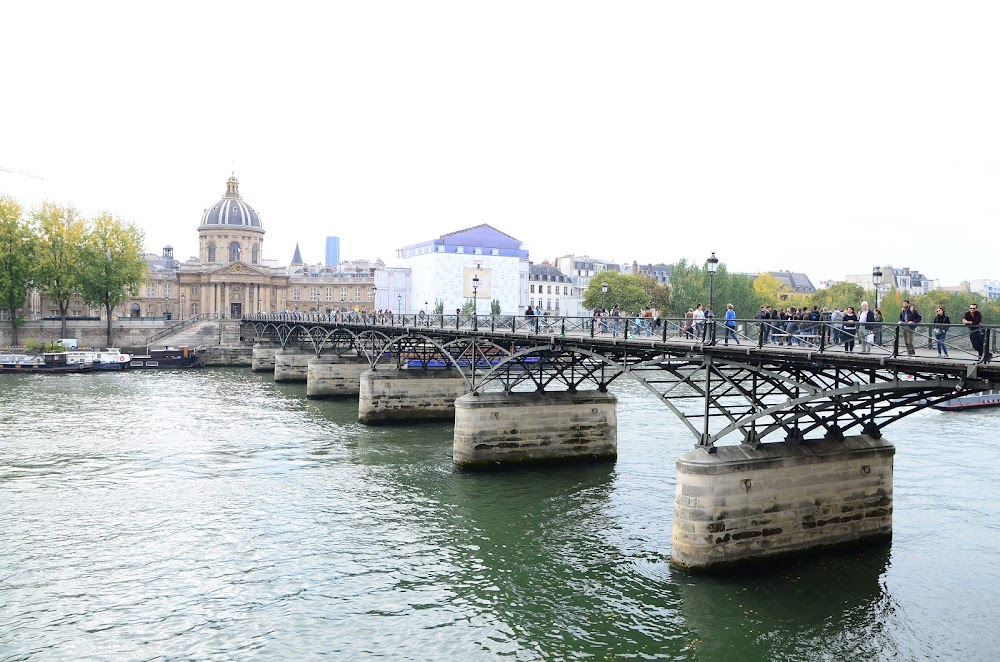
(761, 387)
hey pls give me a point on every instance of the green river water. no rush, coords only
(216, 515)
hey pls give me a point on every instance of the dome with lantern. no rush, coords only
(231, 210)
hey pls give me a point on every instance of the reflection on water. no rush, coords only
(216, 514)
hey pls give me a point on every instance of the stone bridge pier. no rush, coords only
(509, 428)
(335, 376)
(742, 504)
(388, 395)
(263, 357)
(520, 394)
(291, 364)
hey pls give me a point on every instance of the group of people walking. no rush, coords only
(862, 327)
(614, 320)
(794, 326)
(855, 328)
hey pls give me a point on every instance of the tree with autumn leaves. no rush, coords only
(112, 266)
(17, 242)
(63, 255)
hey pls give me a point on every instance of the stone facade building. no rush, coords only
(552, 291)
(230, 277)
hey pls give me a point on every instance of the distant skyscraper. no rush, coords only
(332, 251)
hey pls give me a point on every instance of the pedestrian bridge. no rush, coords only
(788, 450)
(761, 383)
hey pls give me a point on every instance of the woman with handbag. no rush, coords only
(940, 326)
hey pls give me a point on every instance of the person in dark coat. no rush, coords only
(974, 320)
(849, 331)
(940, 327)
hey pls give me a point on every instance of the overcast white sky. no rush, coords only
(815, 137)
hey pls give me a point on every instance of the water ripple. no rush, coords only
(217, 515)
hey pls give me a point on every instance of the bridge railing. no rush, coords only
(888, 339)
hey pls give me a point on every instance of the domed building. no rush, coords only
(230, 230)
(230, 277)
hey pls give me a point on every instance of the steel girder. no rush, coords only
(716, 397)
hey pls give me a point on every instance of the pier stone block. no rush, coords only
(263, 358)
(334, 376)
(741, 505)
(290, 364)
(530, 428)
(389, 395)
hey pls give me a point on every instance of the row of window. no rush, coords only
(235, 252)
(543, 287)
(547, 302)
(328, 292)
(168, 290)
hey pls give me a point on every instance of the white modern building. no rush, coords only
(480, 261)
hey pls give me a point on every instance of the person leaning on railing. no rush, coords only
(974, 320)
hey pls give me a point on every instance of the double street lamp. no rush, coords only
(713, 266)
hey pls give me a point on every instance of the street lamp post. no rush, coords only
(399, 304)
(713, 266)
(374, 299)
(182, 307)
(604, 296)
(475, 302)
(877, 279)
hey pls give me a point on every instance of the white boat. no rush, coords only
(111, 358)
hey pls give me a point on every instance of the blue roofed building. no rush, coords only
(445, 268)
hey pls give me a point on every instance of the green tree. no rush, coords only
(111, 263)
(892, 303)
(687, 285)
(955, 304)
(658, 294)
(495, 307)
(17, 240)
(57, 255)
(625, 291)
(841, 295)
(738, 290)
(692, 285)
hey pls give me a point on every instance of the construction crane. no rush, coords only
(18, 172)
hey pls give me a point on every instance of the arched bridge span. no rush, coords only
(739, 393)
